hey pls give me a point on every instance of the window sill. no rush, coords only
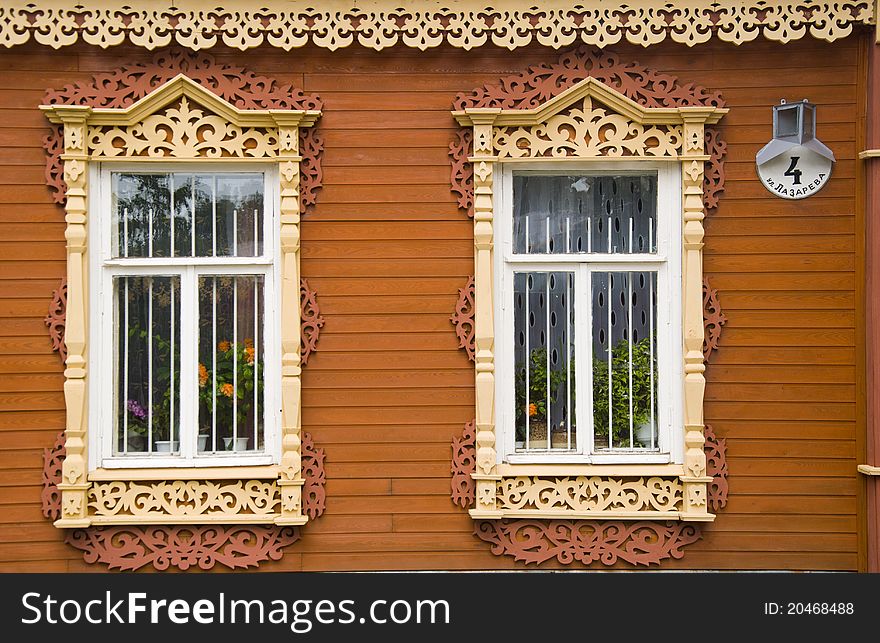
(589, 491)
(186, 473)
(579, 469)
(602, 460)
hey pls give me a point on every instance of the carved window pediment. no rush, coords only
(589, 120)
(180, 120)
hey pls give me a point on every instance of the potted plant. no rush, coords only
(535, 407)
(136, 437)
(642, 387)
(233, 393)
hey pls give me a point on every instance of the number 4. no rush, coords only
(791, 171)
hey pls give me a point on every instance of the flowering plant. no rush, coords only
(233, 380)
(137, 418)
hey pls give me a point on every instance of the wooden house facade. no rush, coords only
(296, 289)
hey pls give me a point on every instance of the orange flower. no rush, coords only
(533, 410)
(203, 375)
(224, 346)
(228, 390)
(248, 343)
(249, 355)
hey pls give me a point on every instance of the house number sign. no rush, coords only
(797, 173)
(795, 164)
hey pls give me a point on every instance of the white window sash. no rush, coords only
(103, 328)
(666, 263)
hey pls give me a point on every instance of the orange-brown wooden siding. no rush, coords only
(387, 250)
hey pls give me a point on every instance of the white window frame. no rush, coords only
(668, 261)
(102, 325)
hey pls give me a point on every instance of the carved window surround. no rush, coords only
(590, 121)
(467, 24)
(180, 121)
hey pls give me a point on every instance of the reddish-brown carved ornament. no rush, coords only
(464, 463)
(462, 175)
(314, 497)
(311, 175)
(128, 548)
(713, 319)
(587, 541)
(50, 497)
(463, 318)
(540, 83)
(56, 318)
(713, 179)
(716, 466)
(312, 321)
(242, 88)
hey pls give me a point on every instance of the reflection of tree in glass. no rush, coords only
(138, 196)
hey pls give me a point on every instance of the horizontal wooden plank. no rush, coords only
(783, 430)
(781, 392)
(757, 374)
(781, 410)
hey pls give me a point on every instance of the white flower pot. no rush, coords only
(643, 434)
(240, 444)
(136, 442)
(203, 441)
(166, 446)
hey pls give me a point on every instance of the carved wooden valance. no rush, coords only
(467, 24)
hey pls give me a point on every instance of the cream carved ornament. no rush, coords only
(590, 131)
(590, 496)
(180, 121)
(183, 131)
(466, 24)
(193, 500)
(590, 120)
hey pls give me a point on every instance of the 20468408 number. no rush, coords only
(819, 608)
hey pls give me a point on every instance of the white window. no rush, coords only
(588, 325)
(185, 349)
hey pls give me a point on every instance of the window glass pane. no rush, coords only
(585, 214)
(544, 360)
(141, 206)
(624, 360)
(231, 364)
(213, 215)
(239, 215)
(147, 364)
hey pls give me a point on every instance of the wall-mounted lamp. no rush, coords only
(793, 124)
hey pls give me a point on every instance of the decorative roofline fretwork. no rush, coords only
(466, 24)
